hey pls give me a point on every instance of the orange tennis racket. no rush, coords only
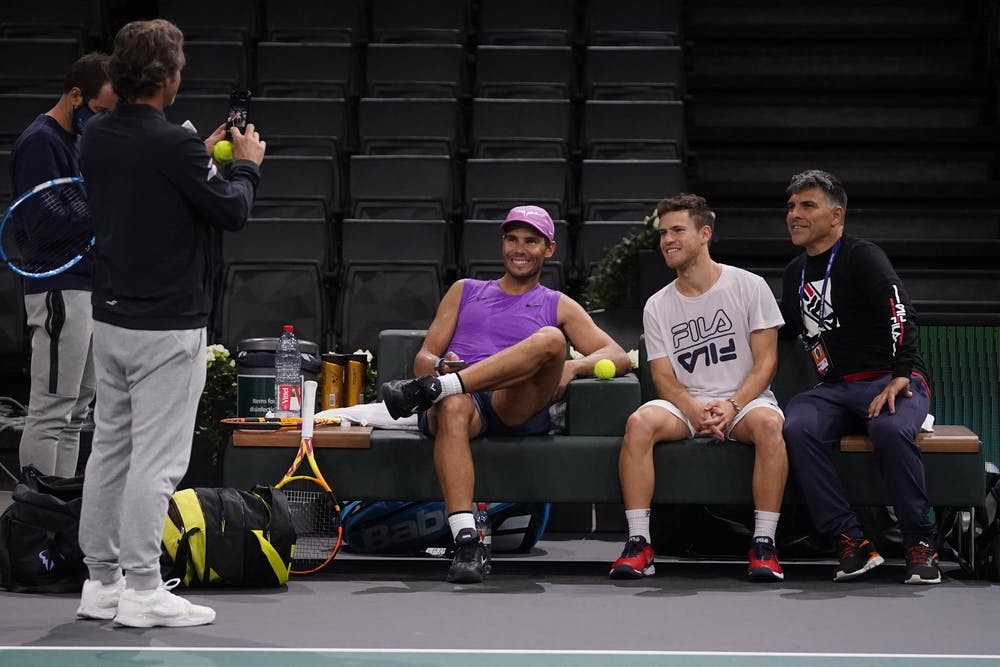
(315, 509)
(275, 423)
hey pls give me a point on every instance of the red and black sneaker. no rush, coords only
(764, 565)
(857, 556)
(636, 560)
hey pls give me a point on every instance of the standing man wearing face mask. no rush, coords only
(58, 308)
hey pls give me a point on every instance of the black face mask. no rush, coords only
(81, 116)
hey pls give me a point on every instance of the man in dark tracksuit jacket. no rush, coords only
(155, 193)
(58, 307)
(844, 299)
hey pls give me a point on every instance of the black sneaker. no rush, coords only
(857, 556)
(469, 564)
(408, 397)
(922, 564)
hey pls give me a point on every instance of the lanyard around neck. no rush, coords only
(826, 281)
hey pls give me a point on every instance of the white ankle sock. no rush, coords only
(765, 523)
(638, 523)
(460, 520)
(450, 385)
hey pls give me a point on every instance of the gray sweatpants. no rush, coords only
(148, 387)
(62, 379)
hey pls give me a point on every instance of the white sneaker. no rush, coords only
(100, 601)
(145, 609)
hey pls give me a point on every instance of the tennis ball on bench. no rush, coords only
(223, 151)
(605, 369)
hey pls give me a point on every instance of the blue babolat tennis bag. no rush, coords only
(401, 527)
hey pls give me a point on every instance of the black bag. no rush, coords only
(39, 536)
(988, 541)
(228, 537)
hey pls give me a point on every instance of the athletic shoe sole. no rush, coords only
(629, 572)
(764, 574)
(872, 563)
(917, 579)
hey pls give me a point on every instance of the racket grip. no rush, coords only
(308, 407)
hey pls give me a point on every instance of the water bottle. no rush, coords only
(484, 526)
(287, 374)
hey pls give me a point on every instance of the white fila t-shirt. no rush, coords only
(707, 337)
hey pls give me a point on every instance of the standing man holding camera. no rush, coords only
(155, 194)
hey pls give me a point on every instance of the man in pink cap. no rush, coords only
(492, 362)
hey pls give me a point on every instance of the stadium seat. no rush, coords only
(303, 126)
(527, 72)
(409, 126)
(13, 325)
(53, 18)
(633, 73)
(264, 239)
(385, 295)
(633, 22)
(493, 187)
(315, 21)
(420, 21)
(633, 130)
(304, 70)
(627, 189)
(503, 128)
(206, 112)
(212, 19)
(596, 237)
(259, 297)
(35, 65)
(527, 22)
(295, 179)
(481, 245)
(401, 187)
(214, 67)
(366, 240)
(16, 112)
(416, 70)
(6, 191)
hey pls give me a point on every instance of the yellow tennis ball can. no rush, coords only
(223, 151)
(605, 369)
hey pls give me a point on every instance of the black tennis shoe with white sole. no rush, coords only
(408, 397)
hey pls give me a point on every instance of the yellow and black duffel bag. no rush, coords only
(228, 537)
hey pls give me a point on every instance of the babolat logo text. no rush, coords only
(697, 339)
(382, 536)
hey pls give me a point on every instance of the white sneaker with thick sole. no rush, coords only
(100, 601)
(146, 609)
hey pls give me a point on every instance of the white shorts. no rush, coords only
(759, 402)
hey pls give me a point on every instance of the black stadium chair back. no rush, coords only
(503, 128)
(401, 187)
(304, 70)
(206, 112)
(596, 237)
(493, 187)
(303, 126)
(397, 240)
(279, 239)
(633, 22)
(17, 112)
(633, 130)
(214, 67)
(527, 72)
(258, 298)
(36, 65)
(315, 21)
(72, 19)
(409, 126)
(633, 72)
(528, 22)
(385, 295)
(420, 21)
(212, 19)
(627, 189)
(416, 70)
(293, 179)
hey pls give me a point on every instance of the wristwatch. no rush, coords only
(736, 406)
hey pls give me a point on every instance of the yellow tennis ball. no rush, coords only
(223, 151)
(605, 369)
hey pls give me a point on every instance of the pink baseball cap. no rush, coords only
(535, 216)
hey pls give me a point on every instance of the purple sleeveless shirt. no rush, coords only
(490, 320)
